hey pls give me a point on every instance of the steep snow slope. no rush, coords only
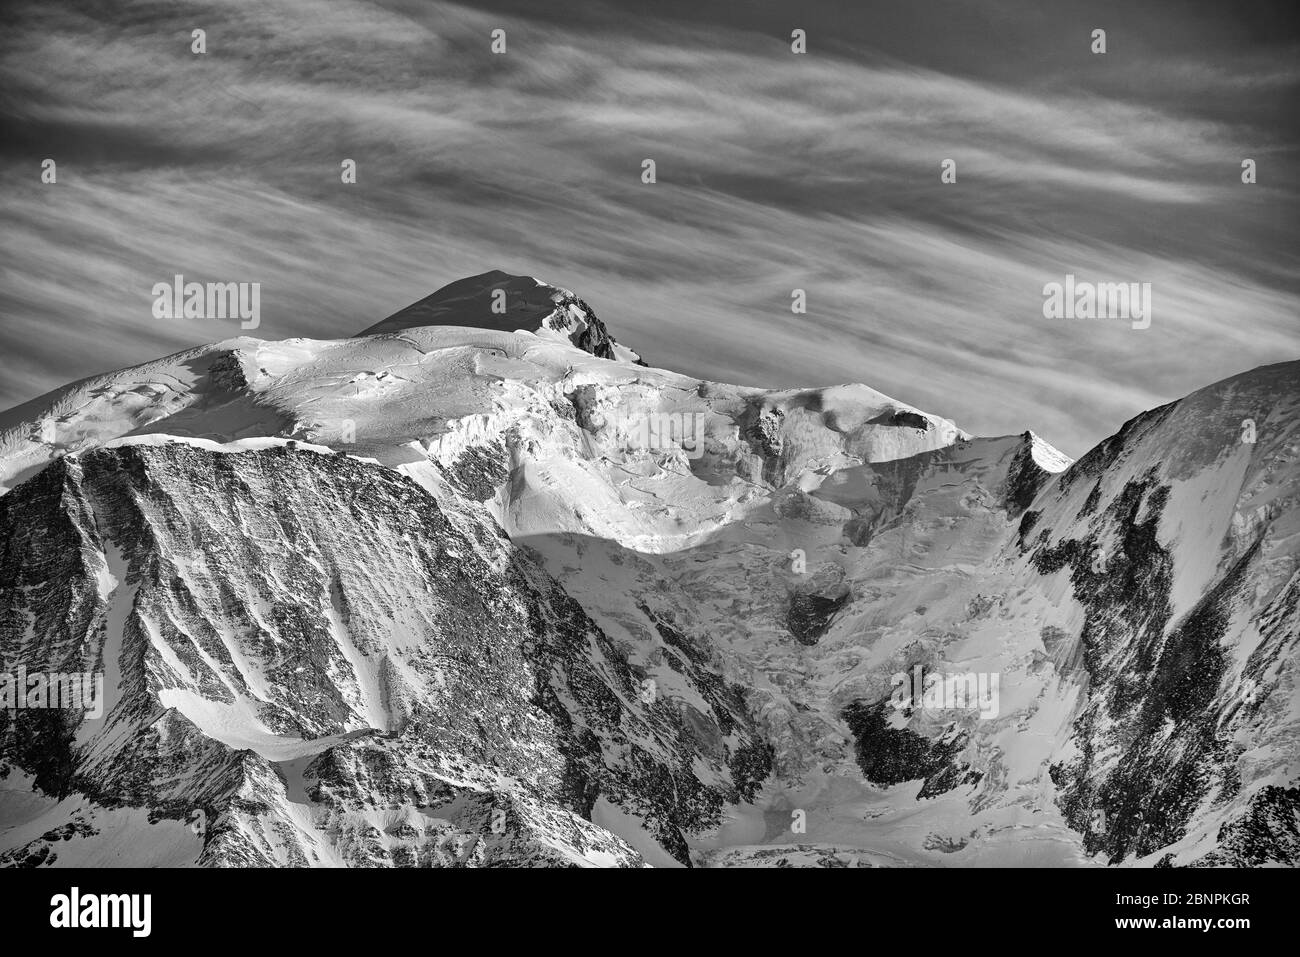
(750, 568)
(1178, 542)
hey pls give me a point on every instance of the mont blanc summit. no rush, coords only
(504, 303)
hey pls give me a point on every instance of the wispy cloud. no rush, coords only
(776, 172)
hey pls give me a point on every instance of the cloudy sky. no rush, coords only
(776, 171)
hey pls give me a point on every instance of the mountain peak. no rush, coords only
(502, 302)
(1047, 456)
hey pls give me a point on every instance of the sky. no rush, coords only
(775, 171)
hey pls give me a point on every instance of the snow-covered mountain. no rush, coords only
(477, 587)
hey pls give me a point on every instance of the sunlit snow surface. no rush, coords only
(838, 492)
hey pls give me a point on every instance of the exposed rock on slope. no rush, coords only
(266, 618)
(1179, 539)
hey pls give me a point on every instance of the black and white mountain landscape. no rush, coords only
(821, 434)
(446, 594)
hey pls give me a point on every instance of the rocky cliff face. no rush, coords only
(266, 618)
(463, 595)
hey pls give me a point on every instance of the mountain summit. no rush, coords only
(501, 302)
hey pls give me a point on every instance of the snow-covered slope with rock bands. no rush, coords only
(474, 588)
